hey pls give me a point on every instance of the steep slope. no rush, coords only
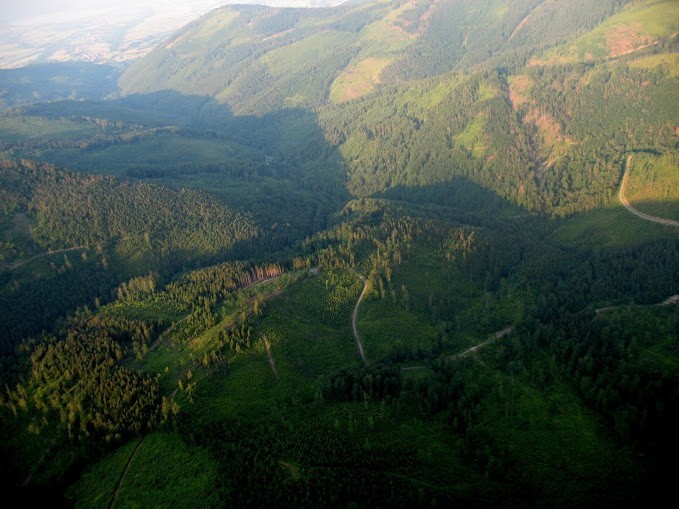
(506, 94)
(256, 58)
(67, 239)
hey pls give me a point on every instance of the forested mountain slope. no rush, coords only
(259, 58)
(187, 270)
(64, 231)
(538, 101)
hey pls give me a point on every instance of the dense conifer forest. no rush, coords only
(378, 254)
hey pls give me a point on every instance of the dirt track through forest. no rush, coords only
(497, 335)
(56, 251)
(354, 317)
(272, 362)
(628, 206)
(127, 469)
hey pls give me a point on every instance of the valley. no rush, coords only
(393, 253)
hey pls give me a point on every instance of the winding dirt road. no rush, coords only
(628, 206)
(354, 317)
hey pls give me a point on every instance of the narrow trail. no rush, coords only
(39, 462)
(628, 206)
(56, 251)
(525, 20)
(672, 299)
(127, 469)
(272, 362)
(354, 317)
(497, 335)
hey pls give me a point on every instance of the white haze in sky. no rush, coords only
(27, 12)
(101, 31)
(38, 11)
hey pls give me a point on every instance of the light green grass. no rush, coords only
(611, 227)
(22, 128)
(385, 327)
(170, 359)
(162, 149)
(98, 483)
(555, 443)
(653, 184)
(382, 37)
(282, 61)
(641, 23)
(667, 61)
(165, 472)
(309, 336)
(358, 80)
(472, 136)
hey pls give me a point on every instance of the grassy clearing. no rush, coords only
(165, 472)
(386, 329)
(554, 442)
(282, 61)
(613, 227)
(653, 184)
(669, 62)
(212, 32)
(472, 137)
(162, 149)
(472, 313)
(429, 94)
(170, 359)
(637, 26)
(23, 128)
(309, 332)
(444, 466)
(384, 36)
(98, 483)
(358, 80)
(16, 242)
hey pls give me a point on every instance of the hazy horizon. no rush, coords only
(29, 11)
(38, 31)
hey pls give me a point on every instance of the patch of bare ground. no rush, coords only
(625, 39)
(518, 91)
(549, 128)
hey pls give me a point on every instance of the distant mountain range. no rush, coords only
(99, 32)
(401, 253)
(507, 93)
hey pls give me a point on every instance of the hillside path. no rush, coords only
(127, 469)
(628, 206)
(525, 19)
(672, 299)
(354, 317)
(497, 335)
(56, 251)
(272, 363)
